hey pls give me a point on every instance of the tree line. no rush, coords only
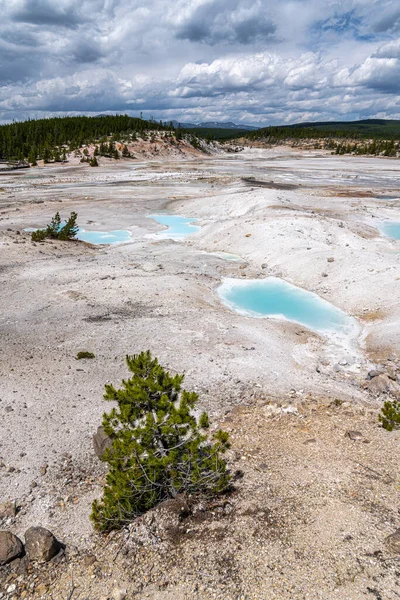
(51, 139)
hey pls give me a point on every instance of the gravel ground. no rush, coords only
(60, 298)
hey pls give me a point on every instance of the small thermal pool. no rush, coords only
(178, 227)
(276, 298)
(391, 229)
(227, 256)
(116, 236)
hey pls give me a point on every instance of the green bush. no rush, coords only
(56, 230)
(159, 448)
(390, 415)
(39, 235)
(84, 354)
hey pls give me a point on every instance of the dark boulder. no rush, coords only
(11, 547)
(40, 544)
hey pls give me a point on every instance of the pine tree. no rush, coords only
(70, 229)
(53, 229)
(116, 154)
(125, 152)
(159, 448)
(32, 157)
(47, 155)
(93, 162)
(56, 230)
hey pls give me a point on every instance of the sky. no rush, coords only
(258, 62)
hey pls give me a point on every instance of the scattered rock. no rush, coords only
(119, 593)
(264, 266)
(101, 441)
(8, 509)
(382, 384)
(310, 441)
(374, 373)
(89, 559)
(43, 469)
(40, 544)
(354, 435)
(331, 259)
(391, 372)
(41, 589)
(11, 547)
(393, 542)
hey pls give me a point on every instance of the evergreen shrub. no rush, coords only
(159, 447)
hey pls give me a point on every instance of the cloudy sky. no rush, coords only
(249, 61)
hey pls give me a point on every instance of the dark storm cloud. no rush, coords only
(47, 12)
(230, 21)
(388, 22)
(86, 51)
(257, 61)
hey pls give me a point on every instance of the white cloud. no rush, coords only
(245, 60)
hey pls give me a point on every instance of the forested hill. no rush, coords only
(367, 129)
(36, 139)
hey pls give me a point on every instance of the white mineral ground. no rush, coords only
(58, 298)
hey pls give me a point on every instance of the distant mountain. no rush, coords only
(214, 125)
(388, 129)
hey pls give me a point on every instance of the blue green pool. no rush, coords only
(391, 229)
(178, 227)
(276, 298)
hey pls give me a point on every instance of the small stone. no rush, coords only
(43, 469)
(354, 435)
(324, 274)
(391, 372)
(264, 266)
(8, 509)
(374, 373)
(119, 593)
(310, 441)
(11, 547)
(40, 543)
(331, 259)
(89, 559)
(393, 542)
(41, 589)
(101, 441)
(382, 384)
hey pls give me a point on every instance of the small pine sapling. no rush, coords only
(53, 229)
(56, 230)
(390, 415)
(70, 229)
(159, 448)
(39, 235)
